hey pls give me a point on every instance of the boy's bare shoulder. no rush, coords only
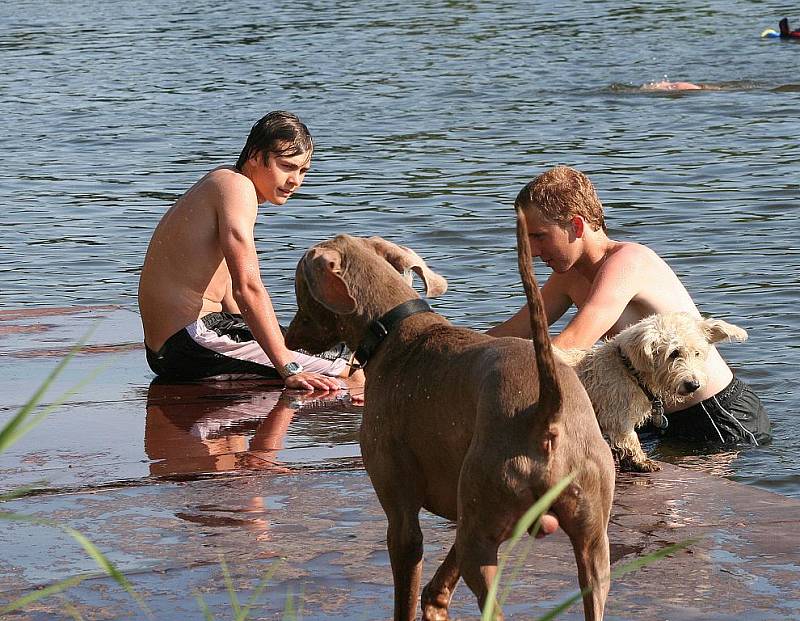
(631, 258)
(228, 186)
(632, 251)
(227, 177)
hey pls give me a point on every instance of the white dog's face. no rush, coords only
(669, 351)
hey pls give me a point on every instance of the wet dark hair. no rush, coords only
(279, 133)
(559, 194)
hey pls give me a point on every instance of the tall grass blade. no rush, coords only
(237, 609)
(38, 594)
(24, 420)
(19, 492)
(17, 427)
(523, 557)
(106, 565)
(525, 522)
(262, 584)
(288, 608)
(640, 562)
(204, 607)
(300, 599)
(567, 603)
(20, 424)
(99, 558)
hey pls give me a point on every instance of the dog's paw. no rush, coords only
(434, 605)
(433, 613)
(634, 465)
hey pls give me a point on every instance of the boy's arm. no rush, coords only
(236, 217)
(617, 283)
(229, 305)
(556, 303)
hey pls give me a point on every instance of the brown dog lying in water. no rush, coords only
(456, 421)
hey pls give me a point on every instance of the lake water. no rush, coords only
(428, 117)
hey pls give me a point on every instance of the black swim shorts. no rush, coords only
(221, 345)
(734, 415)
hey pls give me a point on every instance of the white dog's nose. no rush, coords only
(690, 386)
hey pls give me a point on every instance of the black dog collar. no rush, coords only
(660, 420)
(380, 328)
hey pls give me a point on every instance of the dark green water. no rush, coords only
(428, 117)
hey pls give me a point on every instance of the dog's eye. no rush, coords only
(674, 354)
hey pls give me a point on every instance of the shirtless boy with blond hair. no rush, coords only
(204, 308)
(614, 284)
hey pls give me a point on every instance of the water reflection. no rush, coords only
(717, 460)
(195, 429)
(201, 428)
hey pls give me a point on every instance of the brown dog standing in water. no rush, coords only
(456, 421)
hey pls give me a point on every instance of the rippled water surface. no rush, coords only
(428, 117)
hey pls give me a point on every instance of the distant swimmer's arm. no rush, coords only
(556, 303)
(613, 289)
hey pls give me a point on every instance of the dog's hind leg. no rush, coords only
(438, 592)
(592, 558)
(588, 534)
(477, 559)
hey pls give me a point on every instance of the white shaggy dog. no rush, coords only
(653, 364)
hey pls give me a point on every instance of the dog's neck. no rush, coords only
(659, 418)
(380, 328)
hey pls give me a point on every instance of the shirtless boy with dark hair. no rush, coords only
(204, 308)
(613, 285)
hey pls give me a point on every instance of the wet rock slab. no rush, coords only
(172, 482)
(323, 535)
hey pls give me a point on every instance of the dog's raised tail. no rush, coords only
(549, 388)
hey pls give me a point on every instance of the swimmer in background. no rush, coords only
(783, 32)
(666, 85)
(786, 32)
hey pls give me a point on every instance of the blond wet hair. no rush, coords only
(561, 193)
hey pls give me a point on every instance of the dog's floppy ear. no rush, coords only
(717, 330)
(404, 259)
(322, 269)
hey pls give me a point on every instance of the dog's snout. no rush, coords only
(690, 386)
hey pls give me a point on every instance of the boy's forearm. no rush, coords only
(507, 328)
(256, 308)
(518, 325)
